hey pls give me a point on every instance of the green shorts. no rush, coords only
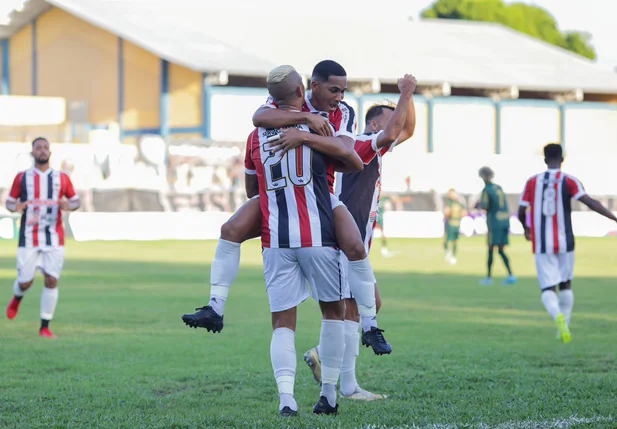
(499, 236)
(452, 232)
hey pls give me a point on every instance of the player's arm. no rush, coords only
(338, 148)
(484, 201)
(251, 185)
(12, 201)
(597, 207)
(522, 207)
(268, 117)
(398, 121)
(72, 202)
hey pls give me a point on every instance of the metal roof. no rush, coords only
(248, 38)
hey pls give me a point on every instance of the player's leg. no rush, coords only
(286, 288)
(322, 267)
(504, 241)
(26, 269)
(549, 276)
(360, 278)
(566, 295)
(489, 276)
(243, 225)
(52, 263)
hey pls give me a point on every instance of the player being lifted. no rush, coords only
(298, 240)
(360, 193)
(548, 196)
(328, 85)
(453, 213)
(494, 202)
(40, 194)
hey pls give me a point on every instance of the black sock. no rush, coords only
(490, 262)
(506, 261)
(44, 323)
(18, 298)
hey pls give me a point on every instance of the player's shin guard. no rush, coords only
(362, 286)
(549, 299)
(331, 350)
(17, 290)
(352, 350)
(49, 299)
(223, 273)
(283, 358)
(566, 303)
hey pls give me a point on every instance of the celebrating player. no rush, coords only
(360, 193)
(328, 85)
(453, 214)
(498, 222)
(40, 193)
(299, 246)
(548, 195)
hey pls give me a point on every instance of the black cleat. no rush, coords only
(376, 340)
(324, 407)
(205, 317)
(288, 412)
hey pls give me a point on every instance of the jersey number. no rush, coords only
(548, 202)
(295, 167)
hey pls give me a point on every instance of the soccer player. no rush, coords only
(299, 246)
(548, 196)
(40, 194)
(360, 192)
(383, 201)
(498, 222)
(453, 214)
(328, 85)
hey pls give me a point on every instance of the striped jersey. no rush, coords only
(343, 119)
(41, 222)
(293, 193)
(360, 191)
(549, 196)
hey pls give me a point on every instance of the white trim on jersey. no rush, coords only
(374, 138)
(250, 172)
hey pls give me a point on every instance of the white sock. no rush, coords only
(49, 299)
(223, 273)
(352, 350)
(283, 358)
(17, 290)
(362, 286)
(549, 299)
(331, 349)
(566, 302)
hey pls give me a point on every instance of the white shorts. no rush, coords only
(554, 268)
(335, 201)
(345, 277)
(48, 260)
(290, 272)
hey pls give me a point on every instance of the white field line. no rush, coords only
(566, 423)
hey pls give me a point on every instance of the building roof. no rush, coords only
(250, 40)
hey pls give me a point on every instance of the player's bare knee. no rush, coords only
(26, 285)
(351, 310)
(284, 319)
(333, 310)
(50, 282)
(553, 288)
(565, 285)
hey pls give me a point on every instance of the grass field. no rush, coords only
(464, 355)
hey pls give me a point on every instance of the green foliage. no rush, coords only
(531, 20)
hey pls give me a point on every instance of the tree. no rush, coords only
(531, 20)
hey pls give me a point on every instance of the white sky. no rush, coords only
(595, 16)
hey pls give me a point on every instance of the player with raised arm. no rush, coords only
(548, 196)
(40, 194)
(328, 85)
(494, 202)
(299, 245)
(385, 125)
(453, 213)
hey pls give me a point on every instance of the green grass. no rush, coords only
(464, 355)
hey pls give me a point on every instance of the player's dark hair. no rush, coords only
(553, 151)
(376, 111)
(37, 139)
(326, 68)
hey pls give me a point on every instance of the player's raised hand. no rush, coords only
(407, 85)
(21, 206)
(319, 124)
(288, 140)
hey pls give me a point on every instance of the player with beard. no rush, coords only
(40, 194)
